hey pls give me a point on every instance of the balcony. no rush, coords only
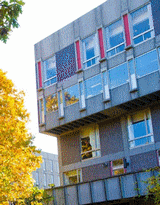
(105, 190)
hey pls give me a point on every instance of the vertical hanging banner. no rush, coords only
(65, 63)
(40, 74)
(126, 28)
(78, 55)
(100, 35)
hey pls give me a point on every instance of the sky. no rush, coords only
(39, 19)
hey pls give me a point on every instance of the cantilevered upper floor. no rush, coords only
(103, 64)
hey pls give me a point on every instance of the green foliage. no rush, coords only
(9, 13)
(153, 187)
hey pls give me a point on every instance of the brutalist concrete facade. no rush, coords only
(104, 76)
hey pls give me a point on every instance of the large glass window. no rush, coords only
(118, 75)
(142, 24)
(115, 38)
(52, 103)
(72, 177)
(93, 86)
(90, 51)
(50, 73)
(146, 63)
(90, 143)
(71, 95)
(140, 129)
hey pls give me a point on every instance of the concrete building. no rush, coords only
(48, 173)
(98, 91)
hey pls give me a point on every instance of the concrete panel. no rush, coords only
(95, 172)
(155, 113)
(120, 94)
(144, 47)
(149, 83)
(98, 191)
(70, 148)
(94, 104)
(94, 70)
(48, 47)
(66, 36)
(143, 161)
(76, 29)
(59, 196)
(111, 7)
(158, 41)
(124, 5)
(56, 41)
(98, 13)
(116, 60)
(72, 112)
(87, 24)
(110, 137)
(134, 4)
(128, 186)
(52, 120)
(142, 178)
(84, 193)
(71, 195)
(113, 188)
(37, 51)
(50, 90)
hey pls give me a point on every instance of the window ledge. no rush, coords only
(40, 89)
(128, 47)
(134, 90)
(79, 71)
(102, 60)
(42, 125)
(82, 109)
(106, 100)
(60, 118)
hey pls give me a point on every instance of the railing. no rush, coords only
(103, 190)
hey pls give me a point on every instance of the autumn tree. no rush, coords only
(9, 13)
(17, 154)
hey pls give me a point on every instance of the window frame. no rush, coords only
(44, 72)
(78, 175)
(107, 38)
(118, 167)
(95, 129)
(96, 48)
(131, 132)
(151, 24)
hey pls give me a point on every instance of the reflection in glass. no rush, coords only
(50, 72)
(86, 147)
(93, 86)
(118, 75)
(72, 177)
(52, 103)
(118, 167)
(146, 63)
(71, 95)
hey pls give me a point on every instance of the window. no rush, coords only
(50, 73)
(72, 177)
(71, 95)
(51, 165)
(44, 165)
(146, 63)
(52, 179)
(45, 180)
(142, 24)
(90, 143)
(37, 178)
(115, 38)
(90, 51)
(118, 75)
(140, 129)
(93, 86)
(117, 167)
(52, 103)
